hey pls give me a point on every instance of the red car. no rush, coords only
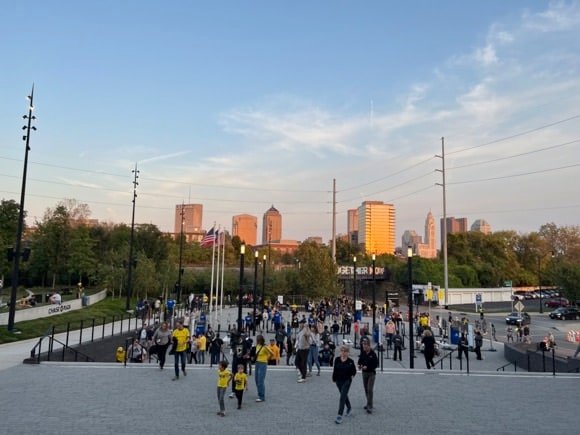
(557, 302)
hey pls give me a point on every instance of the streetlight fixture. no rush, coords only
(16, 253)
(374, 257)
(411, 342)
(242, 252)
(256, 254)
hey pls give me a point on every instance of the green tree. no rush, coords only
(317, 276)
(9, 210)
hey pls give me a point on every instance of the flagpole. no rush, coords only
(223, 268)
(212, 271)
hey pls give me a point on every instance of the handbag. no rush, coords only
(254, 356)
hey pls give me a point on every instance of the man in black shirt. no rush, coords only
(368, 362)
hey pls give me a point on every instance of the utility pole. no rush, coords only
(334, 220)
(16, 253)
(131, 262)
(444, 229)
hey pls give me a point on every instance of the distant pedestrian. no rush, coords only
(263, 353)
(398, 343)
(509, 334)
(180, 339)
(224, 379)
(161, 338)
(302, 349)
(368, 363)
(478, 343)
(428, 342)
(463, 347)
(342, 375)
(240, 384)
(493, 332)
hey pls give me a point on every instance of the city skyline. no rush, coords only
(241, 117)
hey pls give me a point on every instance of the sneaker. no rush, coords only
(231, 396)
(309, 375)
(259, 400)
(348, 412)
(239, 407)
(301, 380)
(184, 373)
(366, 407)
(318, 374)
(222, 414)
(175, 378)
(338, 419)
(369, 410)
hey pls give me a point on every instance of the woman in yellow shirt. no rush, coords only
(263, 353)
(224, 378)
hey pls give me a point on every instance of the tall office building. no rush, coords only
(376, 227)
(352, 226)
(428, 249)
(192, 214)
(482, 226)
(245, 226)
(271, 226)
(455, 225)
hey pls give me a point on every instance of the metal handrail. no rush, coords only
(447, 355)
(502, 368)
(72, 349)
(39, 343)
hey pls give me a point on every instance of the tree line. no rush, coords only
(66, 249)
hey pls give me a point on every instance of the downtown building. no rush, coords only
(245, 226)
(352, 226)
(412, 239)
(376, 227)
(191, 216)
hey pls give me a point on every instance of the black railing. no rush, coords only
(502, 368)
(447, 355)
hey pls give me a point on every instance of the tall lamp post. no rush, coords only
(354, 287)
(255, 295)
(131, 263)
(374, 294)
(16, 253)
(180, 273)
(242, 252)
(411, 341)
(540, 284)
(263, 282)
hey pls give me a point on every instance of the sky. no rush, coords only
(240, 105)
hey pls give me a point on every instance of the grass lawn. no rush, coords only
(36, 328)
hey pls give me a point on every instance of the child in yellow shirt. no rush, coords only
(240, 384)
(224, 379)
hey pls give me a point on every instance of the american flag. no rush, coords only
(209, 238)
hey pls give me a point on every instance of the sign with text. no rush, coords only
(361, 271)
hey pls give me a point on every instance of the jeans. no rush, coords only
(369, 384)
(260, 379)
(343, 387)
(179, 356)
(301, 361)
(335, 338)
(221, 392)
(399, 353)
(313, 358)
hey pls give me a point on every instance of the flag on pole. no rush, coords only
(209, 238)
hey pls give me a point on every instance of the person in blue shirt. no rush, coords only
(248, 322)
(277, 320)
(170, 304)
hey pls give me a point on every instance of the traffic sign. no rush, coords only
(519, 306)
(507, 283)
(478, 298)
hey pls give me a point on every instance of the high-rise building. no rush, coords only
(352, 226)
(482, 226)
(245, 226)
(271, 226)
(428, 249)
(192, 215)
(455, 225)
(376, 227)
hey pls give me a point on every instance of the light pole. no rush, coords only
(374, 295)
(411, 342)
(263, 282)
(180, 273)
(540, 285)
(16, 253)
(255, 295)
(242, 252)
(354, 287)
(131, 260)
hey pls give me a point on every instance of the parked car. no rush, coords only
(518, 319)
(557, 302)
(564, 313)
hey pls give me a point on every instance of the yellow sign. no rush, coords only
(441, 294)
(429, 294)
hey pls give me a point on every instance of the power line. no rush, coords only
(523, 133)
(467, 165)
(388, 176)
(519, 210)
(516, 175)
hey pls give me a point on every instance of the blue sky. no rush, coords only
(240, 105)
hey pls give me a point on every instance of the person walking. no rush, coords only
(429, 348)
(240, 384)
(463, 347)
(343, 373)
(368, 363)
(224, 379)
(398, 343)
(493, 332)
(302, 349)
(478, 339)
(161, 338)
(263, 353)
(509, 334)
(313, 351)
(180, 339)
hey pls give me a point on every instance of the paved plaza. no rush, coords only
(103, 398)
